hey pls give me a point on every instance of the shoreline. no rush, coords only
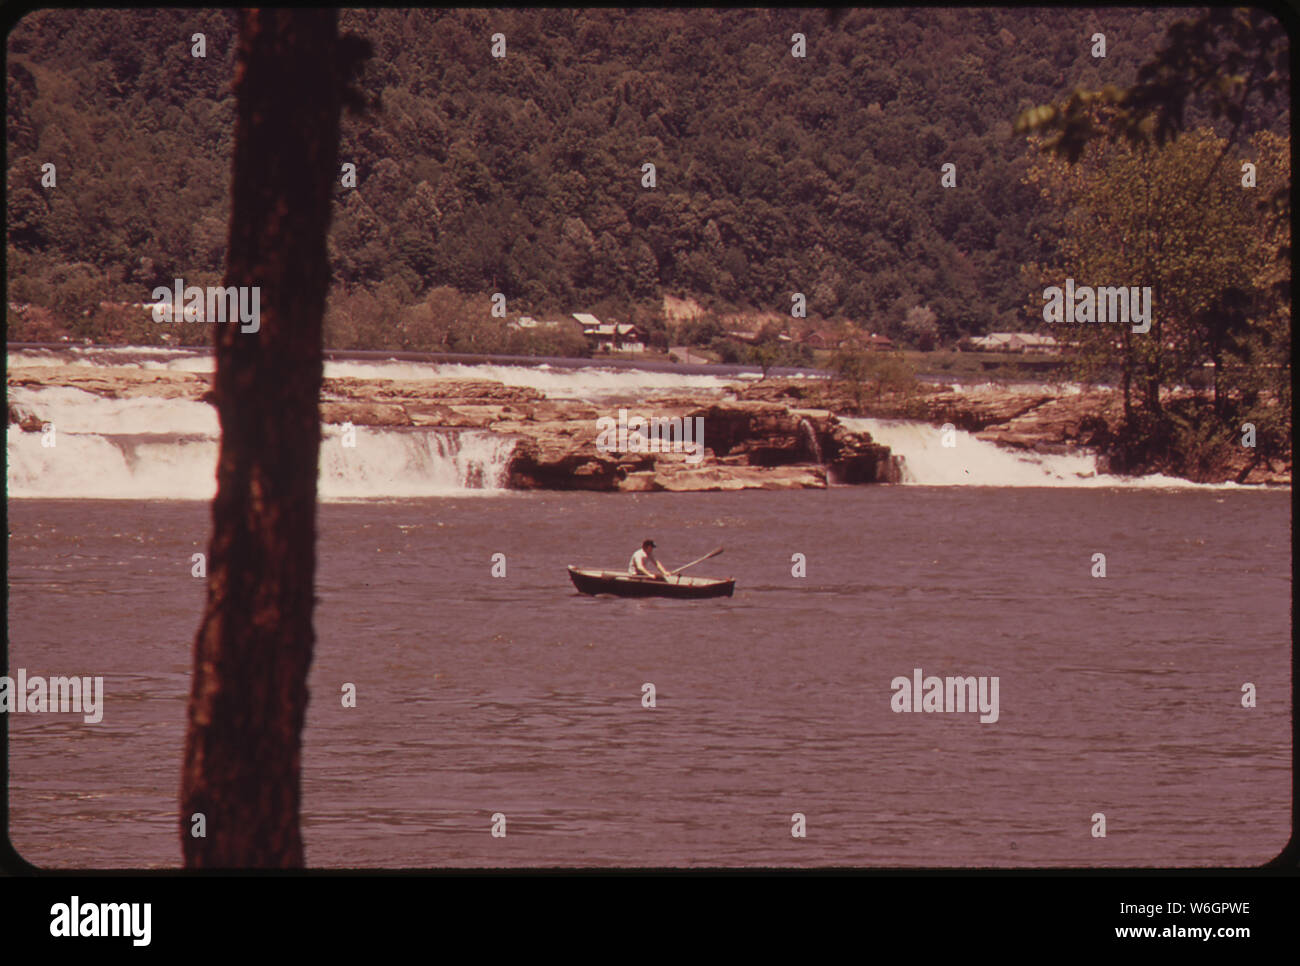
(463, 359)
(625, 362)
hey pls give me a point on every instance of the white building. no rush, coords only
(165, 311)
(610, 336)
(1014, 342)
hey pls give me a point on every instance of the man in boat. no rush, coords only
(644, 559)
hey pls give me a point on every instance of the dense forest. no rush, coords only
(523, 174)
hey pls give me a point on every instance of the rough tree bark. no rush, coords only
(248, 696)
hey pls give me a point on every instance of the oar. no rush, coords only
(712, 553)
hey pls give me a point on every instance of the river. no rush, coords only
(512, 696)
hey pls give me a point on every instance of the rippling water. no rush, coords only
(479, 695)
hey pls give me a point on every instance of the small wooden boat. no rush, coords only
(622, 584)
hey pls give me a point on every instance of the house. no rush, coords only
(1014, 342)
(823, 338)
(610, 336)
(165, 310)
(619, 338)
(998, 342)
(1040, 343)
(985, 343)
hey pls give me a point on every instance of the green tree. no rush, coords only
(920, 323)
(1229, 61)
(1232, 65)
(1130, 220)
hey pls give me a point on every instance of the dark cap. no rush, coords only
(647, 542)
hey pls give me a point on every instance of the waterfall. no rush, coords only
(813, 443)
(924, 460)
(405, 462)
(166, 449)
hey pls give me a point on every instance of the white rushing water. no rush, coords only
(404, 463)
(154, 448)
(384, 464)
(161, 449)
(590, 383)
(976, 462)
(76, 411)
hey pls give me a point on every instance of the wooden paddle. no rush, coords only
(712, 553)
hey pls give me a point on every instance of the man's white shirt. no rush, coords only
(645, 559)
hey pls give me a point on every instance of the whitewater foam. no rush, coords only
(385, 464)
(76, 411)
(976, 462)
(147, 447)
(412, 463)
(592, 383)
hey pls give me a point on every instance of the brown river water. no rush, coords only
(479, 695)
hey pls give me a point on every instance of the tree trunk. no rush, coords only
(1216, 361)
(248, 696)
(1128, 379)
(1155, 367)
(1152, 400)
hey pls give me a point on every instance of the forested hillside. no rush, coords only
(774, 174)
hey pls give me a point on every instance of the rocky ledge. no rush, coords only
(1049, 420)
(746, 444)
(772, 434)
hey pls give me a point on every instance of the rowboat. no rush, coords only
(622, 584)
